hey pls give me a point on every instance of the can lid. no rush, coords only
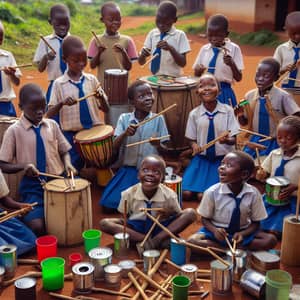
(100, 253)
(112, 268)
(278, 181)
(83, 268)
(121, 235)
(151, 253)
(8, 249)
(189, 268)
(25, 283)
(126, 264)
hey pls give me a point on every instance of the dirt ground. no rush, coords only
(251, 57)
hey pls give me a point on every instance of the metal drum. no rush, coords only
(221, 278)
(190, 271)
(239, 262)
(100, 257)
(8, 259)
(150, 257)
(112, 274)
(126, 266)
(83, 277)
(253, 283)
(263, 261)
(25, 288)
(273, 189)
(121, 244)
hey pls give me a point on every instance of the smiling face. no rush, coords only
(265, 76)
(111, 18)
(60, 22)
(143, 98)
(208, 88)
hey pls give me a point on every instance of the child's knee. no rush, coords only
(104, 224)
(271, 241)
(195, 238)
(190, 214)
(187, 195)
(37, 226)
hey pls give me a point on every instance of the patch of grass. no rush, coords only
(137, 10)
(196, 15)
(143, 29)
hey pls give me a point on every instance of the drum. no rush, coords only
(295, 92)
(273, 188)
(167, 91)
(263, 261)
(174, 182)
(115, 86)
(12, 180)
(68, 210)
(96, 147)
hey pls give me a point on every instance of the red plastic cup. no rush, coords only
(46, 246)
(74, 258)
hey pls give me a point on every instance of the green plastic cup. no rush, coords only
(91, 239)
(278, 284)
(53, 271)
(180, 286)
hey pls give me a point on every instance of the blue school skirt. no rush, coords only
(201, 173)
(270, 144)
(14, 232)
(276, 214)
(210, 236)
(125, 177)
(227, 93)
(7, 109)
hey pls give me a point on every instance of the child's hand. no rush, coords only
(131, 129)
(287, 192)
(70, 168)
(225, 140)
(69, 101)
(101, 48)
(238, 237)
(261, 174)
(154, 141)
(166, 213)
(145, 52)
(199, 69)
(220, 234)
(118, 48)
(163, 45)
(99, 91)
(196, 149)
(31, 171)
(239, 111)
(228, 60)
(9, 71)
(50, 55)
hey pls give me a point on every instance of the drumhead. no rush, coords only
(96, 133)
(64, 185)
(115, 72)
(266, 257)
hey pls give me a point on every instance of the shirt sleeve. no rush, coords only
(4, 190)
(258, 210)
(39, 52)
(55, 95)
(7, 150)
(121, 126)
(63, 144)
(289, 104)
(238, 58)
(92, 49)
(191, 127)
(148, 41)
(131, 51)
(206, 207)
(277, 55)
(14, 63)
(233, 124)
(184, 44)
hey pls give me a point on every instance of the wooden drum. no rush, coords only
(182, 91)
(68, 211)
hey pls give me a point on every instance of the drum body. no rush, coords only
(295, 92)
(273, 188)
(181, 91)
(115, 86)
(263, 261)
(174, 182)
(68, 212)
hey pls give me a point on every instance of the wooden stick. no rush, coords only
(111, 292)
(149, 233)
(282, 77)
(86, 96)
(258, 157)
(3, 213)
(149, 60)
(61, 296)
(169, 262)
(203, 280)
(125, 218)
(97, 39)
(26, 261)
(49, 46)
(15, 67)
(298, 200)
(18, 212)
(51, 175)
(138, 287)
(151, 209)
(28, 274)
(157, 115)
(266, 139)
(255, 133)
(148, 140)
(126, 287)
(270, 109)
(218, 249)
(228, 243)
(72, 180)
(293, 79)
(204, 295)
(165, 284)
(253, 145)
(234, 245)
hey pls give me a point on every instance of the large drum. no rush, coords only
(96, 147)
(68, 210)
(182, 91)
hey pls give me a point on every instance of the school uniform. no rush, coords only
(76, 117)
(218, 205)
(175, 38)
(202, 172)
(291, 170)
(7, 93)
(56, 67)
(260, 120)
(130, 158)
(136, 199)
(213, 59)
(20, 146)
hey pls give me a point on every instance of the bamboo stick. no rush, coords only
(138, 287)
(149, 60)
(51, 175)
(204, 295)
(61, 296)
(3, 213)
(126, 287)
(49, 46)
(18, 212)
(18, 66)
(266, 139)
(253, 145)
(86, 96)
(151, 209)
(203, 280)
(28, 274)
(148, 140)
(218, 249)
(97, 39)
(229, 245)
(26, 261)
(148, 233)
(270, 109)
(293, 79)
(111, 292)
(234, 245)
(165, 284)
(254, 133)
(282, 77)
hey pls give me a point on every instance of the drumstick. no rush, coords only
(97, 39)
(253, 145)
(266, 139)
(51, 175)
(49, 46)
(255, 133)
(297, 80)
(3, 213)
(72, 180)
(18, 212)
(86, 96)
(149, 61)
(284, 74)
(148, 140)
(298, 200)
(125, 219)
(151, 209)
(155, 116)
(149, 233)
(228, 243)
(258, 157)
(18, 66)
(234, 246)
(137, 286)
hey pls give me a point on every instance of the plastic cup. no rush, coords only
(178, 253)
(278, 284)
(91, 239)
(180, 286)
(46, 246)
(53, 271)
(74, 258)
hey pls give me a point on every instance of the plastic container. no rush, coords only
(92, 238)
(178, 253)
(53, 271)
(46, 246)
(278, 284)
(180, 287)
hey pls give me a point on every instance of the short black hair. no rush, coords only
(293, 122)
(132, 88)
(292, 18)
(27, 90)
(245, 160)
(168, 8)
(274, 63)
(69, 43)
(59, 8)
(218, 20)
(162, 163)
(108, 5)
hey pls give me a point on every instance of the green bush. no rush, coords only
(9, 13)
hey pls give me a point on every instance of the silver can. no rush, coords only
(239, 263)
(253, 283)
(100, 257)
(150, 257)
(190, 271)
(221, 278)
(112, 274)
(121, 244)
(126, 266)
(8, 259)
(25, 289)
(83, 277)
(2, 271)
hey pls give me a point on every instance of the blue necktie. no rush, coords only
(62, 64)
(85, 117)
(280, 169)
(293, 74)
(234, 225)
(155, 63)
(40, 150)
(263, 119)
(212, 63)
(211, 151)
(149, 222)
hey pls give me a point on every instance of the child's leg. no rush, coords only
(263, 241)
(37, 226)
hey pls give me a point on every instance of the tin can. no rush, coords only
(221, 278)
(126, 266)
(274, 185)
(190, 271)
(8, 255)
(25, 289)
(150, 257)
(112, 274)
(83, 277)
(253, 283)
(2, 271)
(239, 262)
(121, 244)
(100, 257)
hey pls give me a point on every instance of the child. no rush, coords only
(126, 132)
(150, 192)
(73, 115)
(263, 112)
(44, 57)
(35, 145)
(205, 123)
(288, 55)
(233, 208)
(13, 231)
(220, 57)
(284, 161)
(115, 51)
(8, 75)
(169, 44)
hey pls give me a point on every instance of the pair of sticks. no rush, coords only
(265, 137)
(18, 66)
(18, 212)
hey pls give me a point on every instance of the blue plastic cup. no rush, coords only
(178, 252)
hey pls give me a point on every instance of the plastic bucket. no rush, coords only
(278, 285)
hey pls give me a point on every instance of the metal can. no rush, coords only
(239, 262)
(83, 277)
(100, 257)
(113, 274)
(8, 258)
(25, 289)
(126, 266)
(221, 278)
(253, 283)
(121, 244)
(190, 271)
(150, 257)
